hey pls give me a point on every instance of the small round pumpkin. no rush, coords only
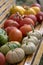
(28, 48)
(9, 46)
(35, 33)
(30, 39)
(15, 56)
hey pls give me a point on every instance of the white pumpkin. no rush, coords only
(15, 56)
(25, 39)
(31, 39)
(36, 33)
(34, 40)
(29, 48)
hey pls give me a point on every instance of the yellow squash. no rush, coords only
(36, 9)
(19, 9)
(30, 11)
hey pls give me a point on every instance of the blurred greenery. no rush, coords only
(21, 2)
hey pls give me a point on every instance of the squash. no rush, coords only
(3, 39)
(14, 9)
(30, 39)
(2, 31)
(15, 42)
(35, 33)
(28, 48)
(34, 40)
(9, 46)
(25, 39)
(15, 56)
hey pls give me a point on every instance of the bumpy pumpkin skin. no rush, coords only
(4, 49)
(9, 46)
(34, 40)
(36, 33)
(2, 31)
(15, 56)
(3, 39)
(31, 39)
(28, 48)
(25, 39)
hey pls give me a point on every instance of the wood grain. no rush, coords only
(22, 63)
(39, 54)
(5, 8)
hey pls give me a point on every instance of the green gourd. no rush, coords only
(9, 46)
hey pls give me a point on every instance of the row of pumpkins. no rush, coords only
(15, 51)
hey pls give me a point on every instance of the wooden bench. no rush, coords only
(4, 10)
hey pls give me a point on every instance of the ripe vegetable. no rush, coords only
(36, 9)
(28, 48)
(39, 17)
(15, 17)
(2, 59)
(9, 46)
(33, 17)
(15, 56)
(15, 35)
(36, 33)
(25, 29)
(26, 21)
(36, 4)
(2, 31)
(8, 29)
(10, 23)
(15, 9)
(32, 39)
(3, 39)
(29, 11)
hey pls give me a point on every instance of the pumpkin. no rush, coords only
(9, 46)
(15, 56)
(35, 33)
(2, 31)
(3, 39)
(28, 48)
(30, 39)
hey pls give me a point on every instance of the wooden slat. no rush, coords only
(5, 6)
(4, 14)
(41, 29)
(5, 9)
(1, 2)
(39, 54)
(22, 63)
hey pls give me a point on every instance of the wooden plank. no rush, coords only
(4, 14)
(39, 54)
(28, 60)
(22, 63)
(6, 10)
(5, 6)
(41, 29)
(1, 2)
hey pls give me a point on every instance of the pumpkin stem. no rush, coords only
(27, 8)
(26, 43)
(32, 28)
(28, 36)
